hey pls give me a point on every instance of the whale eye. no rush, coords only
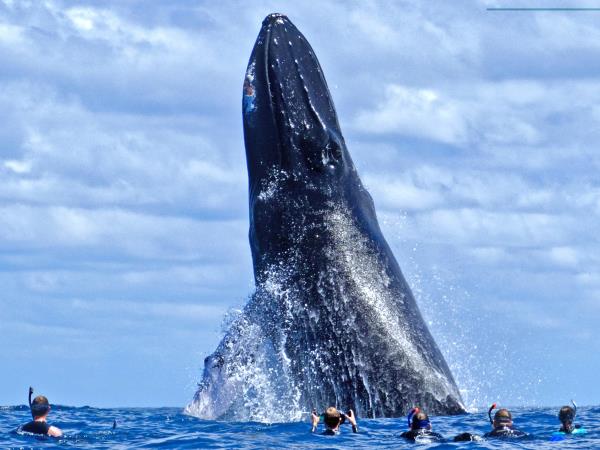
(321, 149)
(334, 150)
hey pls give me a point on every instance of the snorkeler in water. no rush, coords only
(333, 419)
(420, 428)
(40, 408)
(502, 425)
(566, 415)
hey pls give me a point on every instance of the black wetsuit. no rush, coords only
(413, 435)
(505, 432)
(36, 427)
(465, 437)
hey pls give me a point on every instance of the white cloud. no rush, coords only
(189, 312)
(10, 34)
(491, 255)
(567, 33)
(126, 36)
(18, 166)
(107, 161)
(402, 193)
(535, 317)
(565, 256)
(476, 227)
(414, 112)
(82, 18)
(118, 232)
(468, 114)
(426, 187)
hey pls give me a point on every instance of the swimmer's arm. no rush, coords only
(54, 431)
(352, 418)
(315, 421)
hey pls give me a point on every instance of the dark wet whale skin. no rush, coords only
(329, 292)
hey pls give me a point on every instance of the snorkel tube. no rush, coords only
(574, 408)
(30, 394)
(490, 413)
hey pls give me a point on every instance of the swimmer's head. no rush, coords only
(566, 414)
(420, 421)
(503, 418)
(332, 418)
(40, 406)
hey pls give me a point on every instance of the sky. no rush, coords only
(123, 186)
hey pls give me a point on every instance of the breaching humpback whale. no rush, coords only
(332, 321)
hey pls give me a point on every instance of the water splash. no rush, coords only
(253, 373)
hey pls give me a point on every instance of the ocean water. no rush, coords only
(170, 428)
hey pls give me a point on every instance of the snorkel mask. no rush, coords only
(420, 424)
(503, 420)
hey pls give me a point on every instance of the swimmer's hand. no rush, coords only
(315, 420)
(54, 431)
(351, 417)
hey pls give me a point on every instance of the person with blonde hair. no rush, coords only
(333, 419)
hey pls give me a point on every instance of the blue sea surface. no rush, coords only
(87, 427)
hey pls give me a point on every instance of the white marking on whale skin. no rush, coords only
(270, 186)
(370, 280)
(251, 72)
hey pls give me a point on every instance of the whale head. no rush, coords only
(293, 139)
(290, 122)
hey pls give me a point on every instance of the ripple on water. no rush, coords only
(169, 428)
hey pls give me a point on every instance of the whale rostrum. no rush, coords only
(332, 320)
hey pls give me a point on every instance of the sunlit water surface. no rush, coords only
(170, 428)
